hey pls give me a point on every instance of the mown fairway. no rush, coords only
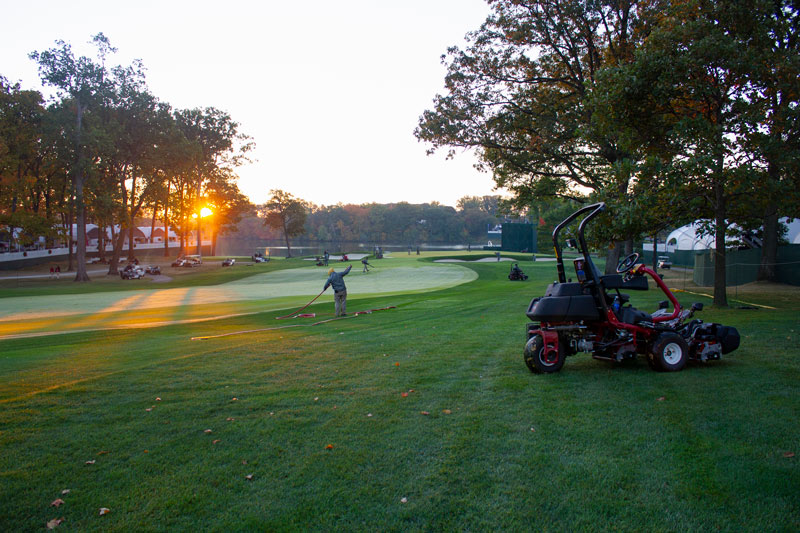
(422, 417)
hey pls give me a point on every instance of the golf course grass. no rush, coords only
(418, 417)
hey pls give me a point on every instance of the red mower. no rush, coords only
(592, 315)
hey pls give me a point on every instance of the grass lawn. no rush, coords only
(422, 417)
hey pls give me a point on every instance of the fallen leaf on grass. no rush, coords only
(234, 399)
(158, 399)
(446, 411)
(397, 364)
(660, 399)
(316, 398)
(788, 454)
(54, 523)
(425, 413)
(230, 419)
(369, 415)
(403, 500)
(103, 452)
(249, 477)
(404, 394)
(329, 447)
(57, 502)
(146, 451)
(149, 409)
(244, 461)
(215, 441)
(90, 462)
(65, 491)
(533, 429)
(410, 390)
(104, 510)
(207, 431)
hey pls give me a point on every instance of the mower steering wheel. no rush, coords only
(628, 263)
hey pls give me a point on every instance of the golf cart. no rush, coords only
(131, 271)
(191, 261)
(258, 257)
(592, 315)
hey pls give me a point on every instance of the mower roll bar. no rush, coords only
(595, 209)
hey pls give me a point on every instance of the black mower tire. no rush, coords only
(534, 356)
(670, 352)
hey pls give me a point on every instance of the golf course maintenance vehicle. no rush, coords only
(592, 315)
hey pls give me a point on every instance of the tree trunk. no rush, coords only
(286, 237)
(166, 233)
(71, 235)
(199, 236)
(101, 241)
(80, 208)
(113, 265)
(612, 258)
(153, 224)
(769, 247)
(720, 294)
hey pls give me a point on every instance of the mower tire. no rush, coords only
(669, 353)
(535, 356)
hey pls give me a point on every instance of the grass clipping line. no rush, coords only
(357, 313)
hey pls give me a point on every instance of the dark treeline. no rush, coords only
(382, 224)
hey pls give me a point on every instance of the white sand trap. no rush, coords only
(333, 260)
(281, 283)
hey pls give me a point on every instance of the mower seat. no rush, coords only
(631, 315)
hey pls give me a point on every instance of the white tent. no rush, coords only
(686, 237)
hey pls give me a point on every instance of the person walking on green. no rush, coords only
(335, 280)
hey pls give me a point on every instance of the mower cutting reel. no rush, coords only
(592, 315)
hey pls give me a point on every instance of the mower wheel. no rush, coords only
(537, 361)
(670, 352)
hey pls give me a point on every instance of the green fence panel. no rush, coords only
(741, 266)
(519, 238)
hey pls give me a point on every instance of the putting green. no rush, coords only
(305, 282)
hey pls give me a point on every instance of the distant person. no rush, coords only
(52, 272)
(336, 280)
(325, 257)
(58, 271)
(365, 263)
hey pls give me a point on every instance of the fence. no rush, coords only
(741, 266)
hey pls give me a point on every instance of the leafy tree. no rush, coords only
(82, 80)
(684, 99)
(520, 95)
(286, 213)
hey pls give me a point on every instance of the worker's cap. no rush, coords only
(330, 272)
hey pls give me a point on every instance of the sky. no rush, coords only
(330, 91)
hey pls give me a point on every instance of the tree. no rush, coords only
(286, 213)
(82, 81)
(685, 100)
(520, 95)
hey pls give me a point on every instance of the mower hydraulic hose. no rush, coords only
(290, 315)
